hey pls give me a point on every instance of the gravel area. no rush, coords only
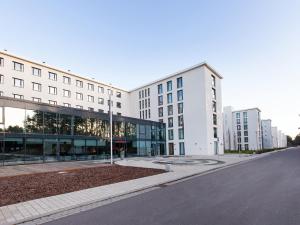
(22, 188)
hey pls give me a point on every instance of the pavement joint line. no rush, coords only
(137, 191)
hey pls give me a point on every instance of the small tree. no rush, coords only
(290, 141)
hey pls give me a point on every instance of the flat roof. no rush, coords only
(247, 110)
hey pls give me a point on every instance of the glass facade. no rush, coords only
(31, 132)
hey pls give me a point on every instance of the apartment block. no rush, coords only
(267, 138)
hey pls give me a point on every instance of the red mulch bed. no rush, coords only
(22, 188)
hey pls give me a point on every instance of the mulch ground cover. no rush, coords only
(22, 188)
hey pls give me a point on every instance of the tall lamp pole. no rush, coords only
(111, 127)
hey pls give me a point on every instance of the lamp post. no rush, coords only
(111, 127)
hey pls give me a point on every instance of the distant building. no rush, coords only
(267, 140)
(275, 137)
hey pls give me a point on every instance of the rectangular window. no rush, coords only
(1, 93)
(169, 98)
(110, 92)
(213, 80)
(170, 135)
(18, 66)
(160, 100)
(246, 147)
(18, 96)
(181, 148)
(180, 107)
(148, 102)
(239, 133)
(67, 105)
(146, 114)
(90, 109)
(67, 93)
(148, 91)
(79, 106)
(180, 133)
(118, 94)
(169, 85)
(66, 80)
(52, 90)
(245, 115)
(139, 94)
(18, 82)
(170, 110)
(214, 119)
(36, 86)
(160, 112)
(143, 105)
(245, 127)
(90, 87)
(100, 90)
(36, 71)
(79, 83)
(101, 101)
(1, 62)
(90, 98)
(215, 132)
(238, 127)
(1, 79)
(180, 121)
(245, 139)
(214, 93)
(238, 121)
(108, 103)
(118, 104)
(52, 102)
(140, 104)
(143, 94)
(119, 114)
(238, 115)
(214, 107)
(36, 99)
(160, 89)
(100, 110)
(79, 96)
(170, 122)
(149, 113)
(180, 95)
(245, 133)
(52, 76)
(179, 82)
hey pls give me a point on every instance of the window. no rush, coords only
(245, 115)
(90, 98)
(170, 134)
(180, 107)
(213, 80)
(245, 127)
(18, 82)
(160, 112)
(36, 86)
(36, 71)
(1, 62)
(215, 132)
(90, 87)
(67, 105)
(118, 104)
(179, 95)
(238, 121)
(36, 99)
(79, 96)
(238, 115)
(238, 127)
(214, 119)
(119, 114)
(148, 91)
(118, 94)
(139, 94)
(160, 100)
(245, 139)
(159, 89)
(90, 109)
(66, 80)
(52, 90)
(245, 133)
(239, 147)
(52, 76)
(214, 107)
(100, 110)
(67, 93)
(169, 98)
(146, 114)
(101, 101)
(180, 120)
(143, 94)
(245, 120)
(170, 110)
(79, 83)
(1, 79)
(79, 107)
(52, 102)
(181, 148)
(161, 120)
(108, 103)
(180, 133)
(149, 113)
(169, 85)
(214, 93)
(18, 96)
(140, 104)
(143, 104)
(1, 93)
(100, 89)
(18, 66)
(179, 82)
(110, 92)
(170, 122)
(246, 147)
(148, 102)
(239, 133)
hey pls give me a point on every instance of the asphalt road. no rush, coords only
(265, 191)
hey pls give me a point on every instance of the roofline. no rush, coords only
(61, 71)
(180, 72)
(247, 110)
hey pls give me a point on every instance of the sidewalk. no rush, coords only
(188, 166)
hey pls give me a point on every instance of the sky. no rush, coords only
(254, 45)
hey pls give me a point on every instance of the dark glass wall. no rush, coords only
(32, 132)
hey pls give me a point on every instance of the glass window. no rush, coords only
(17, 96)
(52, 76)
(170, 110)
(180, 107)
(246, 139)
(180, 120)
(14, 120)
(148, 102)
(101, 101)
(36, 99)
(91, 109)
(245, 115)
(169, 85)
(67, 93)
(34, 150)
(160, 100)
(18, 82)
(180, 133)
(36, 86)
(1, 93)
(79, 83)
(118, 94)
(79, 106)
(90, 98)
(52, 90)
(18, 66)
(1, 79)
(140, 95)
(159, 89)
(170, 122)
(50, 123)
(214, 94)
(245, 127)
(1, 62)
(170, 134)
(245, 133)
(143, 94)
(67, 105)
(148, 91)
(118, 104)
(160, 112)
(79, 96)
(66, 80)
(238, 115)
(213, 80)
(214, 106)
(238, 127)
(169, 98)
(246, 147)
(215, 132)
(36, 71)
(90, 87)
(51, 102)
(65, 124)
(108, 103)
(100, 89)
(180, 95)
(238, 121)
(149, 113)
(110, 92)
(239, 133)
(179, 82)
(214, 119)
(181, 148)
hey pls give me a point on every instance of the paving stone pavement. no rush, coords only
(50, 208)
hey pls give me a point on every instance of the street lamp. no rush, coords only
(111, 127)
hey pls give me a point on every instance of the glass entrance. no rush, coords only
(51, 150)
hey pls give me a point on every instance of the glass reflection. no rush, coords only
(34, 121)
(14, 120)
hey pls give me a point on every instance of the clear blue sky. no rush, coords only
(254, 44)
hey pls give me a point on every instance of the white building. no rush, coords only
(242, 129)
(275, 137)
(267, 139)
(189, 101)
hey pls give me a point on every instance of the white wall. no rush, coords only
(267, 134)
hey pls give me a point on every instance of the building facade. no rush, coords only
(188, 102)
(275, 137)
(267, 138)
